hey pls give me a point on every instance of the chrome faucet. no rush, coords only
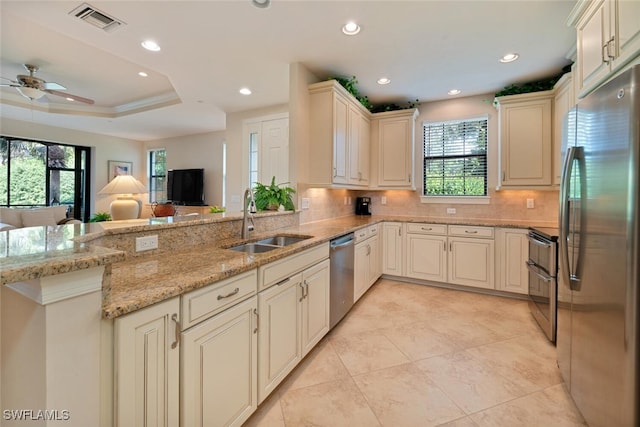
(248, 211)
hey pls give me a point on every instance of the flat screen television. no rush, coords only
(185, 186)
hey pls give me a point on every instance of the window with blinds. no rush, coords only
(455, 158)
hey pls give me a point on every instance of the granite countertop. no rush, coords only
(138, 282)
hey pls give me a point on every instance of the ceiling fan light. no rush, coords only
(30, 92)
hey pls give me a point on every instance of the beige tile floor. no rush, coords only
(415, 355)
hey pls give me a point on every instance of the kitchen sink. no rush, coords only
(254, 248)
(268, 244)
(283, 240)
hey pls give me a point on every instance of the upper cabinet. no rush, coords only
(393, 144)
(563, 102)
(339, 138)
(608, 38)
(351, 148)
(525, 139)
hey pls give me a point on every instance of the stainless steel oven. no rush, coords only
(543, 269)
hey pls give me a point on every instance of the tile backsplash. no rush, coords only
(504, 204)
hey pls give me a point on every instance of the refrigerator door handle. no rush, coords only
(573, 154)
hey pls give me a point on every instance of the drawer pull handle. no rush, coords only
(471, 231)
(282, 282)
(230, 294)
(174, 317)
(426, 228)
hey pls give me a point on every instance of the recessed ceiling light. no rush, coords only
(509, 57)
(351, 28)
(454, 92)
(262, 4)
(151, 45)
(384, 81)
(143, 74)
(245, 91)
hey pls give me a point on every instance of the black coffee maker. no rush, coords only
(363, 205)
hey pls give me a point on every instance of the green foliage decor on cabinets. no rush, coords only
(536, 86)
(272, 196)
(349, 84)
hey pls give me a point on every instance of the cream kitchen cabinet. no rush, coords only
(608, 38)
(294, 315)
(426, 251)
(563, 102)
(339, 136)
(367, 260)
(393, 135)
(219, 368)
(279, 334)
(147, 366)
(525, 139)
(392, 249)
(471, 259)
(512, 252)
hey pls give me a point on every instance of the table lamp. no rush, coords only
(125, 206)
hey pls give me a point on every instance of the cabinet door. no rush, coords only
(340, 140)
(471, 262)
(147, 367)
(392, 248)
(279, 348)
(512, 251)
(219, 375)
(364, 150)
(395, 156)
(315, 305)
(525, 141)
(426, 257)
(354, 146)
(593, 32)
(361, 269)
(563, 102)
(627, 34)
(375, 269)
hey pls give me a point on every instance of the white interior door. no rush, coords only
(274, 151)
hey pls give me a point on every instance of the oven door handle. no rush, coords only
(532, 267)
(544, 243)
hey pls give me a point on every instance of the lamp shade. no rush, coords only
(124, 184)
(124, 207)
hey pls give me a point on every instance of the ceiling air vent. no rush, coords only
(93, 16)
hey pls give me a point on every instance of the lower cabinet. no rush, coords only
(147, 366)
(366, 263)
(512, 252)
(294, 316)
(392, 248)
(471, 262)
(219, 368)
(426, 252)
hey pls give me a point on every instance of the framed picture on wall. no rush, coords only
(116, 167)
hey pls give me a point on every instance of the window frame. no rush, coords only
(458, 199)
(151, 176)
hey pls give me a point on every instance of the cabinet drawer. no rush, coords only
(373, 230)
(427, 228)
(361, 234)
(276, 271)
(203, 303)
(471, 231)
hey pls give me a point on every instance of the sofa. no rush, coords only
(11, 218)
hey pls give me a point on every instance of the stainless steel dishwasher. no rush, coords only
(341, 289)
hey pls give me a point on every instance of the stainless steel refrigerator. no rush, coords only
(598, 296)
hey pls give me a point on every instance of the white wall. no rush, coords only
(105, 148)
(196, 151)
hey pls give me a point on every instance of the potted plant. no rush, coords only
(100, 216)
(273, 196)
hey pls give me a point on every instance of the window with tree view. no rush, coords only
(38, 173)
(157, 175)
(455, 158)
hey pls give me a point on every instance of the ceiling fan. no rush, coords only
(34, 88)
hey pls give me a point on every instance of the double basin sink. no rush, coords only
(268, 244)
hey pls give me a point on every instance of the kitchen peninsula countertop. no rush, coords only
(145, 280)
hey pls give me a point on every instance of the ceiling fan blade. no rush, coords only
(68, 95)
(53, 86)
(11, 80)
(9, 85)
